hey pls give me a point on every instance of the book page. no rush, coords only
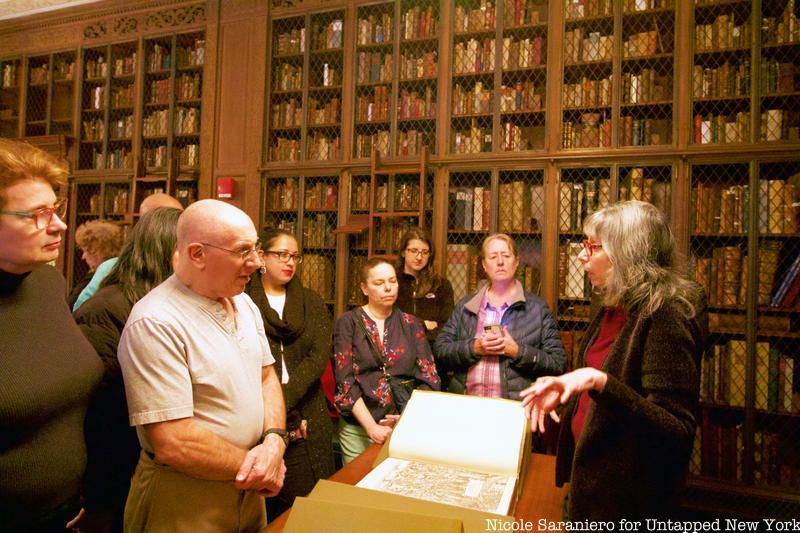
(440, 483)
(470, 432)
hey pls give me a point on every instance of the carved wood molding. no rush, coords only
(156, 20)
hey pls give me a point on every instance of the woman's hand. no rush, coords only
(430, 325)
(378, 433)
(548, 392)
(510, 346)
(493, 344)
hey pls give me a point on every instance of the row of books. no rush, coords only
(324, 112)
(418, 65)
(522, 96)
(377, 141)
(283, 195)
(321, 195)
(9, 76)
(187, 120)
(587, 92)
(722, 128)
(724, 274)
(572, 280)
(642, 44)
(474, 56)
(582, 47)
(414, 105)
(327, 76)
(724, 32)
(782, 29)
(722, 209)
(116, 203)
(156, 156)
(523, 12)
(523, 53)
(318, 231)
(373, 67)
(291, 42)
(192, 55)
(96, 67)
(288, 113)
(719, 453)
(578, 9)
(723, 381)
(645, 131)
(646, 85)
(464, 269)
(119, 157)
(374, 29)
(778, 77)
(159, 91)
(327, 36)
(189, 156)
(480, 18)
(122, 96)
(323, 147)
(187, 87)
(373, 107)
(285, 149)
(517, 138)
(419, 23)
(474, 140)
(590, 130)
(732, 78)
(472, 101)
(288, 77)
(410, 142)
(780, 125)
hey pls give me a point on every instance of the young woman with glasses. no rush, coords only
(629, 421)
(422, 292)
(48, 369)
(298, 328)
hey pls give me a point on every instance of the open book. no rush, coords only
(459, 450)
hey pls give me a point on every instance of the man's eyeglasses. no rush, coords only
(42, 216)
(590, 247)
(243, 254)
(284, 256)
(417, 252)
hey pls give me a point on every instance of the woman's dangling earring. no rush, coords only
(263, 269)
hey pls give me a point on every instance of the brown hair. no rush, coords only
(371, 263)
(427, 279)
(499, 237)
(22, 161)
(99, 237)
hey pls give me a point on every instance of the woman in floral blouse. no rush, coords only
(372, 343)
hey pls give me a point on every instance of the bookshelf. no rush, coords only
(170, 110)
(325, 84)
(659, 100)
(50, 90)
(108, 95)
(10, 76)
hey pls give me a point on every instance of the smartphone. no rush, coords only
(493, 329)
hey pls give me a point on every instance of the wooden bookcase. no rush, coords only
(10, 86)
(49, 94)
(688, 104)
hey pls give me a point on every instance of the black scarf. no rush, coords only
(288, 329)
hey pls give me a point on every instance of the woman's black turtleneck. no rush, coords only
(47, 373)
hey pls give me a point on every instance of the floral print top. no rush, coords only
(358, 373)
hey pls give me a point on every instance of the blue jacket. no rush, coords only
(530, 323)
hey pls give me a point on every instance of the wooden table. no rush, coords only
(540, 498)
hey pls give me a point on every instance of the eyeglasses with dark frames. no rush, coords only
(243, 254)
(43, 216)
(590, 247)
(285, 256)
(418, 252)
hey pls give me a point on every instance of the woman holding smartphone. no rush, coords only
(501, 338)
(380, 354)
(421, 291)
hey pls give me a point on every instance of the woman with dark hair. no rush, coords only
(380, 353)
(144, 262)
(422, 292)
(629, 421)
(47, 368)
(298, 328)
(501, 338)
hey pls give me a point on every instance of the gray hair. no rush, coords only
(644, 265)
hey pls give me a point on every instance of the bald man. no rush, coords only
(157, 200)
(153, 201)
(201, 387)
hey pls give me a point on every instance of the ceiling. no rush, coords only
(10, 9)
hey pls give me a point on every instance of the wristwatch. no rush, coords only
(277, 431)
